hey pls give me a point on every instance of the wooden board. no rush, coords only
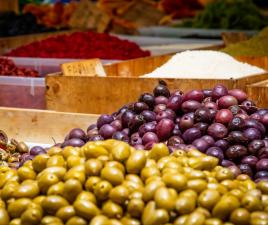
(106, 95)
(40, 126)
(259, 93)
(9, 43)
(9, 5)
(261, 61)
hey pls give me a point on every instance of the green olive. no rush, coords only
(225, 206)
(185, 204)
(135, 178)
(76, 221)
(136, 162)
(176, 181)
(153, 216)
(132, 186)
(94, 151)
(189, 193)
(99, 220)
(91, 183)
(195, 218)
(166, 160)
(158, 151)
(150, 189)
(52, 203)
(73, 173)
(240, 216)
(115, 222)
(237, 193)
(16, 208)
(147, 172)
(264, 200)
(2, 203)
(38, 200)
(47, 220)
(31, 216)
(180, 220)
(93, 167)
(27, 189)
(224, 174)
(54, 151)
(65, 212)
(16, 221)
(136, 195)
(195, 174)
(135, 207)
(130, 221)
(204, 211)
(86, 209)
(251, 203)
(102, 190)
(56, 170)
(69, 151)
(213, 221)
(259, 217)
(121, 151)
(218, 187)
(22, 147)
(72, 188)
(56, 160)
(164, 199)
(9, 189)
(263, 186)
(47, 180)
(119, 194)
(56, 189)
(26, 173)
(209, 198)
(116, 164)
(5, 177)
(197, 185)
(4, 217)
(113, 175)
(112, 210)
(88, 196)
(73, 161)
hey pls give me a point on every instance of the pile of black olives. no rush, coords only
(219, 122)
(111, 183)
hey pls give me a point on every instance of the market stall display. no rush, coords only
(85, 186)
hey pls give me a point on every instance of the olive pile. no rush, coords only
(111, 183)
(12, 152)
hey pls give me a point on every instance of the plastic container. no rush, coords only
(22, 92)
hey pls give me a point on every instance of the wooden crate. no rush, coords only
(261, 61)
(41, 126)
(259, 93)
(107, 94)
(9, 43)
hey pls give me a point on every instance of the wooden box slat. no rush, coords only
(41, 126)
(107, 94)
(259, 93)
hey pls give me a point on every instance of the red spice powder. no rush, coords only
(82, 45)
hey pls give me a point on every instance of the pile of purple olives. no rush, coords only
(219, 122)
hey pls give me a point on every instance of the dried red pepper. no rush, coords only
(82, 45)
(8, 68)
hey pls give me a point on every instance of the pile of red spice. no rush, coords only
(82, 45)
(8, 68)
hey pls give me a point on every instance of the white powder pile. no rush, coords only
(204, 65)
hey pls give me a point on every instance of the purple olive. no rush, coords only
(252, 123)
(227, 163)
(135, 123)
(104, 119)
(238, 94)
(149, 116)
(120, 136)
(117, 124)
(126, 131)
(161, 90)
(135, 139)
(91, 127)
(261, 174)
(263, 153)
(140, 106)
(174, 102)
(149, 145)
(148, 99)
(77, 133)
(219, 91)
(252, 134)
(149, 137)
(209, 140)
(256, 116)
(37, 150)
(107, 131)
(236, 152)
(201, 144)
(161, 100)
(164, 129)
(245, 169)
(165, 114)
(191, 134)
(226, 101)
(74, 142)
(90, 133)
(216, 152)
(249, 106)
(262, 112)
(264, 119)
(176, 131)
(211, 105)
(237, 137)
(236, 123)
(190, 106)
(250, 160)
(96, 138)
(196, 95)
(255, 145)
(207, 93)
(186, 122)
(175, 141)
(160, 107)
(202, 127)
(202, 115)
(262, 165)
(217, 131)
(147, 127)
(235, 170)
(222, 144)
(127, 117)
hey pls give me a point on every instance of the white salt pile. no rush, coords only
(204, 65)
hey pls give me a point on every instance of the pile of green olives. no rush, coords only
(111, 183)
